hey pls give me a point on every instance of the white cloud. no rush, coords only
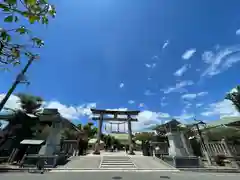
(163, 104)
(72, 112)
(189, 96)
(121, 85)
(69, 112)
(162, 101)
(148, 65)
(141, 105)
(220, 61)
(204, 93)
(13, 102)
(238, 32)
(153, 65)
(179, 87)
(149, 118)
(182, 70)
(221, 108)
(188, 53)
(148, 93)
(199, 105)
(166, 43)
(188, 105)
(131, 102)
(155, 57)
(193, 96)
(184, 116)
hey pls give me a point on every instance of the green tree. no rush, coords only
(234, 96)
(30, 104)
(144, 136)
(36, 11)
(88, 128)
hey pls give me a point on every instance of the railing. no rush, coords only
(70, 147)
(222, 148)
(228, 149)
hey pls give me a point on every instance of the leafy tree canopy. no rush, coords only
(234, 96)
(30, 103)
(144, 136)
(35, 11)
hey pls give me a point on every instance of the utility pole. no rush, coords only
(18, 80)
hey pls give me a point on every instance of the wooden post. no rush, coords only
(130, 136)
(97, 146)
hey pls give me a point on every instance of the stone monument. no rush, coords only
(180, 153)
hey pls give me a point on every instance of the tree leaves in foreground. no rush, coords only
(35, 11)
(234, 96)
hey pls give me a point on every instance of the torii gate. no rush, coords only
(98, 115)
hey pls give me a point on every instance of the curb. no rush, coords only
(5, 170)
(210, 170)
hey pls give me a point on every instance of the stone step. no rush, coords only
(119, 160)
(110, 166)
(115, 163)
(109, 157)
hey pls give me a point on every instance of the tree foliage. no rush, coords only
(89, 129)
(144, 136)
(35, 11)
(30, 104)
(234, 96)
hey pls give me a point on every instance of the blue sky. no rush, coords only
(167, 58)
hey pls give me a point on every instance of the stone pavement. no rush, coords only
(119, 176)
(82, 162)
(115, 160)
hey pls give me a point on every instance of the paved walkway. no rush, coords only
(115, 160)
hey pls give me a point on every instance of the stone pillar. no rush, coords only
(53, 142)
(130, 136)
(97, 145)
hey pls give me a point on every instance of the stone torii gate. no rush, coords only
(98, 115)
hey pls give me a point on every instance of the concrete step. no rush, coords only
(115, 160)
(121, 164)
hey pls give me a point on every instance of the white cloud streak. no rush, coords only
(179, 87)
(166, 43)
(182, 70)
(188, 54)
(193, 96)
(121, 85)
(222, 108)
(220, 61)
(131, 102)
(149, 93)
(238, 32)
